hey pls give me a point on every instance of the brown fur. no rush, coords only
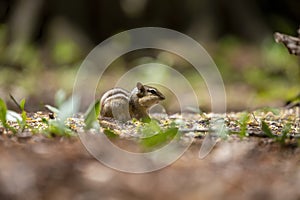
(119, 104)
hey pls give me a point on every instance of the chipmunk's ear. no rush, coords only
(140, 86)
(141, 89)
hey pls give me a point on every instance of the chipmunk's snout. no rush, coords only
(154, 92)
(160, 95)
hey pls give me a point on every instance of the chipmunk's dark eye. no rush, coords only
(152, 91)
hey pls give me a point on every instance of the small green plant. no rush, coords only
(21, 119)
(22, 123)
(64, 110)
(149, 129)
(223, 132)
(110, 133)
(6, 115)
(280, 138)
(91, 115)
(56, 127)
(243, 122)
(3, 110)
(3, 116)
(274, 111)
(266, 129)
(284, 133)
(153, 136)
(60, 97)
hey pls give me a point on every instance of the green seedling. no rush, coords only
(274, 111)
(243, 122)
(266, 129)
(149, 129)
(91, 116)
(284, 133)
(110, 133)
(21, 119)
(153, 136)
(223, 133)
(3, 116)
(3, 111)
(23, 123)
(60, 97)
(64, 110)
(56, 127)
(52, 109)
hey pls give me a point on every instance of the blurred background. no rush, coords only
(43, 43)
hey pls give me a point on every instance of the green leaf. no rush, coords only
(223, 132)
(243, 121)
(52, 109)
(22, 104)
(24, 117)
(91, 115)
(68, 108)
(286, 129)
(159, 139)
(59, 98)
(3, 116)
(3, 110)
(45, 121)
(23, 123)
(149, 129)
(110, 133)
(57, 127)
(266, 129)
(274, 111)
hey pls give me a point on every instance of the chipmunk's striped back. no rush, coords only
(114, 93)
(115, 104)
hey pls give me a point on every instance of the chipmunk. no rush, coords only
(123, 105)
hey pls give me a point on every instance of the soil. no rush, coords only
(253, 167)
(61, 168)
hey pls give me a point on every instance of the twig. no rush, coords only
(15, 101)
(290, 42)
(186, 130)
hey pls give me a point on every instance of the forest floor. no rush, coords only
(255, 166)
(257, 157)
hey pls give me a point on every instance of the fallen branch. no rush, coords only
(290, 42)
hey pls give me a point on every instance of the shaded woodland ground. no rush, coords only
(251, 161)
(62, 169)
(42, 45)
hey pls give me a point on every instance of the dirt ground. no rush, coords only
(61, 168)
